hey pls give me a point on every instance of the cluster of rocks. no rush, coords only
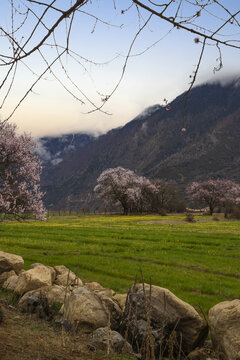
(148, 322)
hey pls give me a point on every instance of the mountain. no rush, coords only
(153, 145)
(53, 149)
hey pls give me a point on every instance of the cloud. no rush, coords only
(43, 153)
(56, 161)
(148, 112)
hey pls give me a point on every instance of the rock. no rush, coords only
(32, 266)
(39, 306)
(11, 282)
(121, 300)
(10, 262)
(4, 276)
(105, 292)
(34, 279)
(94, 286)
(105, 339)
(84, 310)
(112, 308)
(53, 294)
(65, 277)
(53, 272)
(167, 322)
(224, 323)
(111, 305)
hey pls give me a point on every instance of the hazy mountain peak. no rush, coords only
(148, 112)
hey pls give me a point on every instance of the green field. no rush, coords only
(199, 262)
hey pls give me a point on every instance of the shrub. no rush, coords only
(190, 218)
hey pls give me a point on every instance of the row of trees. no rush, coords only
(122, 187)
(133, 193)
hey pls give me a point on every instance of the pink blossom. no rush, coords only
(214, 193)
(20, 170)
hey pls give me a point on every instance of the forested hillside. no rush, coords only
(154, 145)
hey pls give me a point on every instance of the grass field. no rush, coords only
(199, 262)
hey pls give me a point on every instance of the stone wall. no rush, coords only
(149, 322)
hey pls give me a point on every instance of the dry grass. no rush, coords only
(24, 337)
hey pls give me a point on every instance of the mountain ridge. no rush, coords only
(155, 146)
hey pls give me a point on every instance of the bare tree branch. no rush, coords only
(33, 28)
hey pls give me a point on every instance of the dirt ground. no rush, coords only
(25, 337)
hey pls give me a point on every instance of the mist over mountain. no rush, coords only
(53, 149)
(153, 145)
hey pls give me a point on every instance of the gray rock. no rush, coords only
(39, 306)
(105, 339)
(161, 321)
(224, 323)
(53, 294)
(84, 310)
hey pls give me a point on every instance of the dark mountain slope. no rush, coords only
(154, 146)
(53, 149)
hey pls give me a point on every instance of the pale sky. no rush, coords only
(161, 72)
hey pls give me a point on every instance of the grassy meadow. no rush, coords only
(199, 262)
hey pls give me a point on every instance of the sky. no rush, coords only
(161, 61)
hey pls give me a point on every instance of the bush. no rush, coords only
(190, 218)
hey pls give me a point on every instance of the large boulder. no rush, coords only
(84, 310)
(154, 318)
(224, 323)
(10, 262)
(109, 340)
(53, 293)
(66, 277)
(33, 279)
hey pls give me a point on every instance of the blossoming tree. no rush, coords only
(214, 193)
(20, 170)
(133, 193)
(122, 187)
